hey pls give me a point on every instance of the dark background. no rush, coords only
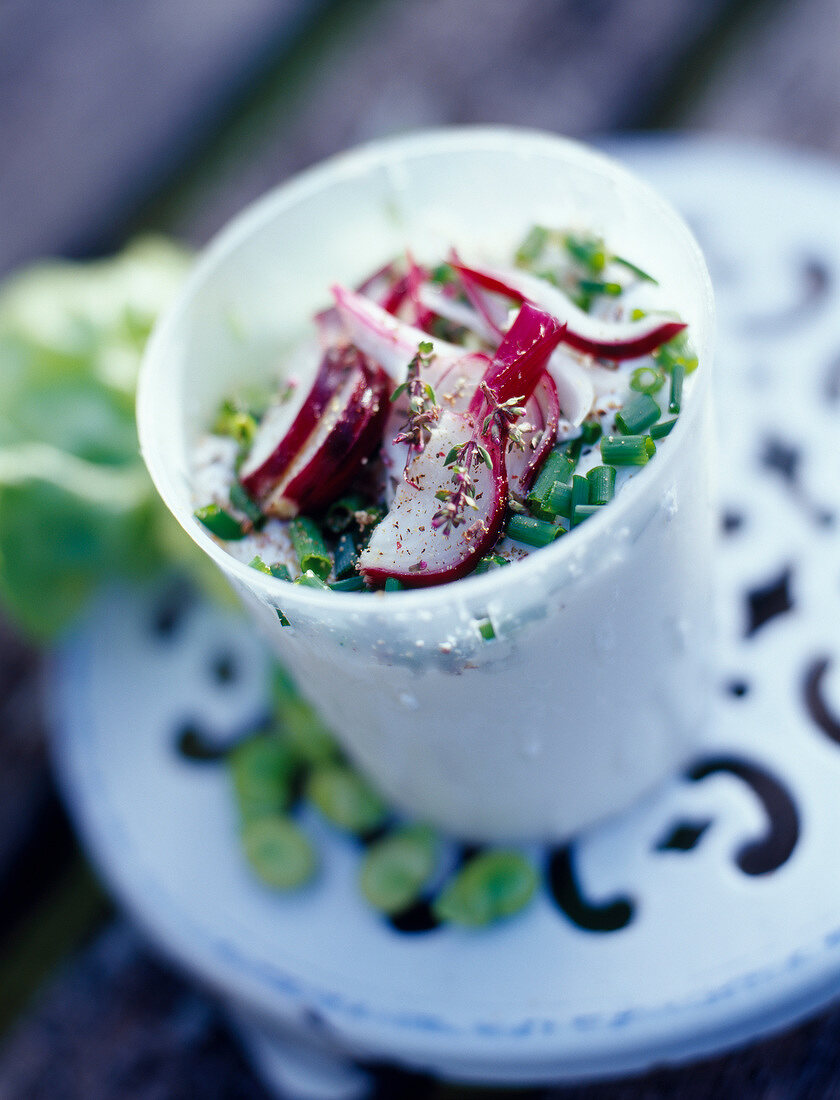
(123, 115)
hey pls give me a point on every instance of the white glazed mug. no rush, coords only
(597, 683)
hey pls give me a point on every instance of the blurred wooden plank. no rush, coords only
(779, 80)
(97, 99)
(72, 906)
(570, 67)
(28, 809)
(116, 1025)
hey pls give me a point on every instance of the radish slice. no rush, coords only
(345, 434)
(285, 428)
(607, 339)
(385, 287)
(388, 341)
(412, 543)
(489, 306)
(407, 544)
(521, 357)
(415, 277)
(542, 410)
(575, 385)
(454, 387)
(437, 302)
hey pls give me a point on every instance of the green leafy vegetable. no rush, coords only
(76, 505)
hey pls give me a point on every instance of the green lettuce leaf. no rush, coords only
(76, 505)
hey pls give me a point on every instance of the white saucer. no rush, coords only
(718, 900)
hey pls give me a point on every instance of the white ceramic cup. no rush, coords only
(596, 686)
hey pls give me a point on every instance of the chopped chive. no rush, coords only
(393, 585)
(627, 450)
(485, 629)
(310, 580)
(580, 492)
(639, 413)
(549, 276)
(601, 484)
(532, 247)
(283, 620)
(638, 314)
(237, 423)
(346, 556)
(493, 885)
(349, 584)
(367, 519)
(573, 448)
(491, 561)
(557, 501)
(556, 467)
(283, 690)
(647, 380)
(677, 350)
(262, 768)
(345, 798)
(533, 532)
(257, 563)
(443, 273)
(279, 852)
(587, 251)
(677, 379)
(309, 545)
(341, 513)
(240, 500)
(309, 739)
(397, 867)
(584, 511)
(597, 286)
(659, 431)
(637, 271)
(280, 571)
(590, 432)
(220, 523)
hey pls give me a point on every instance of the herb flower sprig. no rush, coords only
(502, 419)
(455, 501)
(423, 409)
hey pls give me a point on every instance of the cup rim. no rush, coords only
(369, 156)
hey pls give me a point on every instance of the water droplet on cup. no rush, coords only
(531, 748)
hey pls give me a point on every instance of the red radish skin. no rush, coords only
(604, 339)
(346, 434)
(277, 443)
(521, 357)
(494, 313)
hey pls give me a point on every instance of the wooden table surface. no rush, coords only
(171, 114)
